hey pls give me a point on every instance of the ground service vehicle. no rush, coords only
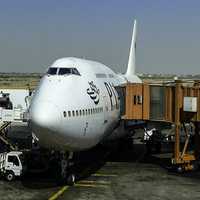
(11, 164)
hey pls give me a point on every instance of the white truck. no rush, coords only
(12, 164)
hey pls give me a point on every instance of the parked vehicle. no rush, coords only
(12, 165)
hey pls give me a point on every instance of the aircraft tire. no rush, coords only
(71, 179)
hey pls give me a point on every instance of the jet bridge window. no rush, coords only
(52, 71)
(68, 71)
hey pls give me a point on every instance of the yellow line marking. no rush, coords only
(90, 185)
(106, 175)
(59, 193)
(94, 182)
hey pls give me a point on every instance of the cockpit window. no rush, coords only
(52, 71)
(63, 71)
(68, 71)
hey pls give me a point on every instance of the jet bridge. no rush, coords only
(175, 103)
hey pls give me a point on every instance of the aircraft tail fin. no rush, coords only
(132, 54)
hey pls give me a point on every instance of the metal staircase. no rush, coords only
(3, 137)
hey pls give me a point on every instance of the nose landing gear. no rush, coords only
(67, 174)
(71, 179)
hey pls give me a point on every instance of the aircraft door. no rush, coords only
(105, 111)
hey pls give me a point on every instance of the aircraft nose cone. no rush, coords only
(45, 115)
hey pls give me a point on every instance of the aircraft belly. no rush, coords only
(59, 141)
(71, 135)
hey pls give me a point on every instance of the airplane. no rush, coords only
(76, 105)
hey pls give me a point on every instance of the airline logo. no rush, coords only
(93, 92)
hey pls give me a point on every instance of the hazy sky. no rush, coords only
(33, 33)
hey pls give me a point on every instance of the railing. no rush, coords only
(2, 135)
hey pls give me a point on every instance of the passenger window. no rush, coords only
(80, 113)
(64, 113)
(83, 112)
(73, 113)
(76, 112)
(89, 111)
(86, 111)
(69, 113)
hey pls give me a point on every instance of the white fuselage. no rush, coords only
(76, 105)
(75, 112)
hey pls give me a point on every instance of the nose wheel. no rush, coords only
(71, 179)
(66, 169)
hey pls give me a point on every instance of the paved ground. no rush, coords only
(124, 175)
(134, 181)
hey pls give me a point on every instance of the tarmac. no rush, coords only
(120, 174)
